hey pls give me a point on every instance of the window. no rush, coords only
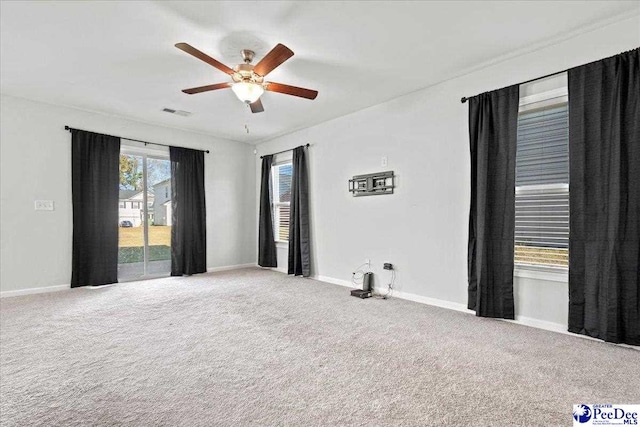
(542, 181)
(122, 205)
(281, 180)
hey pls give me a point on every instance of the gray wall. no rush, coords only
(35, 163)
(422, 228)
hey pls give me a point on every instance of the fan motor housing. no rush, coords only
(244, 73)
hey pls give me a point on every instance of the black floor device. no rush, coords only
(360, 293)
(367, 286)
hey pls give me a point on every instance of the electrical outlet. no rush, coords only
(384, 161)
(44, 205)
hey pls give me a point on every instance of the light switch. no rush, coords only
(44, 205)
(384, 161)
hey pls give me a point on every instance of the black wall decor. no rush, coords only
(372, 184)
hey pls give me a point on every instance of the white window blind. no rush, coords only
(542, 187)
(281, 200)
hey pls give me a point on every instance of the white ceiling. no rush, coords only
(119, 57)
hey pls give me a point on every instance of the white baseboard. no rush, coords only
(30, 291)
(540, 324)
(432, 301)
(401, 295)
(520, 320)
(56, 288)
(230, 267)
(345, 283)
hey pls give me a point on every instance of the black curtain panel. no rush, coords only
(95, 180)
(493, 122)
(299, 242)
(267, 256)
(604, 188)
(189, 228)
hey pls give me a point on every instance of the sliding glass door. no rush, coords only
(144, 213)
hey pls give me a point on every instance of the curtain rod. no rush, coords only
(131, 139)
(284, 151)
(466, 98)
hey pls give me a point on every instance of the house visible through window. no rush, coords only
(542, 181)
(281, 180)
(144, 247)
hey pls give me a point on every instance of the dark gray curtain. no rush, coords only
(189, 228)
(604, 188)
(299, 242)
(267, 256)
(493, 122)
(95, 181)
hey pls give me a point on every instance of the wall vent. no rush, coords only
(177, 112)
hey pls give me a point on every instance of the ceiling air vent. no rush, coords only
(177, 112)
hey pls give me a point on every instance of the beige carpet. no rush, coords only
(258, 348)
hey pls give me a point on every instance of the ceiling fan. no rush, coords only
(248, 80)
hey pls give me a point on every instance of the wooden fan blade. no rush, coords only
(273, 59)
(257, 107)
(206, 88)
(291, 90)
(204, 57)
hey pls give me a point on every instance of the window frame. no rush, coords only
(134, 148)
(546, 99)
(275, 185)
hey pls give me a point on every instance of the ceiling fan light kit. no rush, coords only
(247, 92)
(248, 80)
